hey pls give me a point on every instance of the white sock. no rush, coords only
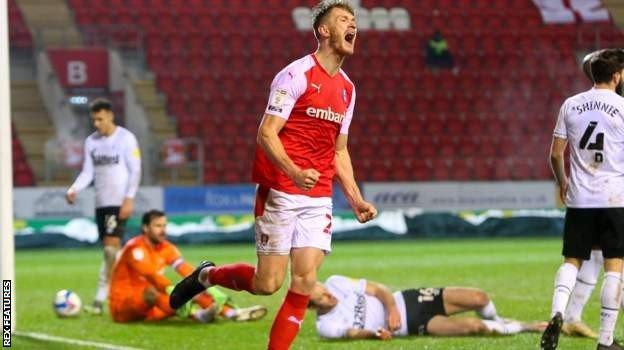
(204, 315)
(503, 328)
(488, 312)
(230, 313)
(610, 305)
(585, 284)
(203, 276)
(102, 286)
(564, 283)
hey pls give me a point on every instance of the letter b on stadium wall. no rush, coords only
(80, 68)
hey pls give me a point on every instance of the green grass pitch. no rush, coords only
(518, 274)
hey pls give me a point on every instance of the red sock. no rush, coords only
(233, 276)
(288, 321)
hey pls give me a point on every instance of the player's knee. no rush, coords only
(267, 286)
(303, 283)
(475, 326)
(149, 296)
(110, 254)
(481, 299)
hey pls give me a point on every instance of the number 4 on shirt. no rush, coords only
(597, 145)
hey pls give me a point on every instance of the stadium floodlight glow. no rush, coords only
(78, 100)
(7, 249)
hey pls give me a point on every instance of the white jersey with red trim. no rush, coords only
(593, 124)
(317, 108)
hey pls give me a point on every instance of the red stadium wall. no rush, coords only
(490, 119)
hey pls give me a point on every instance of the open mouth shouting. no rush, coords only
(350, 36)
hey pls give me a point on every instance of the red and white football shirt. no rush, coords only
(317, 108)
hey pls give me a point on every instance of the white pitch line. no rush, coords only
(52, 338)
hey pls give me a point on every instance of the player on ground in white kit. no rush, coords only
(592, 123)
(359, 309)
(589, 271)
(302, 145)
(112, 161)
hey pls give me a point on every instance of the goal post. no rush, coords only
(7, 248)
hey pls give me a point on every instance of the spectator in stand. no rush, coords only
(438, 54)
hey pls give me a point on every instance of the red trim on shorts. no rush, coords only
(262, 194)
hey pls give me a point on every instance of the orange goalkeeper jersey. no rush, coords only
(141, 264)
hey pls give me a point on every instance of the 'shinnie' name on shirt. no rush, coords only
(596, 105)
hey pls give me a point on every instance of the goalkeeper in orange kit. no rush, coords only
(140, 291)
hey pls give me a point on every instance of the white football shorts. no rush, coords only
(285, 221)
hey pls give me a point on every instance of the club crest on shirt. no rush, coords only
(344, 95)
(138, 254)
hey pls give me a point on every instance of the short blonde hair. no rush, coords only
(320, 11)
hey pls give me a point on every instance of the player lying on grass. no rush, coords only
(358, 309)
(140, 291)
(589, 271)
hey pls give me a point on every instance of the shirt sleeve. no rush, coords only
(286, 88)
(560, 127)
(172, 255)
(345, 284)
(85, 177)
(344, 129)
(331, 329)
(133, 162)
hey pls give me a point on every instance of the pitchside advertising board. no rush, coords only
(232, 199)
(49, 202)
(452, 196)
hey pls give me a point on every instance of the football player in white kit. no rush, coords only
(589, 271)
(359, 309)
(592, 124)
(112, 160)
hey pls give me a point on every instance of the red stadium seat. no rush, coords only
(215, 59)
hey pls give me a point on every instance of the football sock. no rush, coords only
(288, 321)
(228, 312)
(102, 286)
(585, 284)
(234, 276)
(610, 305)
(502, 327)
(564, 283)
(110, 254)
(488, 312)
(203, 315)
